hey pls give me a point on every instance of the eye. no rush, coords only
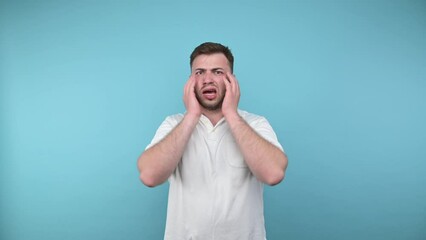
(199, 72)
(218, 72)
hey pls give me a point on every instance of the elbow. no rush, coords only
(148, 179)
(277, 175)
(146, 175)
(275, 178)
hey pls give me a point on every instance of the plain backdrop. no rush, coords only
(85, 84)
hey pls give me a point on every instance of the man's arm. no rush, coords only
(266, 161)
(158, 162)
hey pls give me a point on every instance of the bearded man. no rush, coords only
(215, 156)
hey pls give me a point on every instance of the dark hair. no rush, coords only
(211, 48)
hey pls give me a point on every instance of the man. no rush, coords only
(215, 156)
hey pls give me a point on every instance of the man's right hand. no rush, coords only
(193, 107)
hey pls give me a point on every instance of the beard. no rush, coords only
(212, 105)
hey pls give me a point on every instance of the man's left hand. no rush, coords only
(232, 95)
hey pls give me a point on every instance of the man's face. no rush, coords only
(209, 71)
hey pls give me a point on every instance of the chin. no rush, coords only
(212, 106)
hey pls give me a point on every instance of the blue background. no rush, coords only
(85, 84)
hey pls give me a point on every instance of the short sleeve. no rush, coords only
(264, 129)
(165, 128)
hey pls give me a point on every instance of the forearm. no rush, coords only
(266, 161)
(157, 163)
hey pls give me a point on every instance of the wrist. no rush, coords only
(232, 117)
(192, 117)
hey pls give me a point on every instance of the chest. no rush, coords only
(213, 154)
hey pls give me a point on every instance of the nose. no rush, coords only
(207, 78)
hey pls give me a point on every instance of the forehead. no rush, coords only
(215, 60)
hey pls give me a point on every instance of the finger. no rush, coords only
(228, 81)
(237, 85)
(193, 84)
(227, 84)
(189, 85)
(185, 89)
(233, 82)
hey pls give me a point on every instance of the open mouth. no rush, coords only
(210, 93)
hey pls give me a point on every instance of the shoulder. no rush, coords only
(261, 125)
(251, 118)
(172, 120)
(175, 117)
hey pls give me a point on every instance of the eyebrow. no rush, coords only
(213, 69)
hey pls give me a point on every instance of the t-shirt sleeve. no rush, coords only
(264, 129)
(165, 128)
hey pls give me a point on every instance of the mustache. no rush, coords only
(208, 85)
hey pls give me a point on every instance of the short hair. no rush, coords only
(208, 48)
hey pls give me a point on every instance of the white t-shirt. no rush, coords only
(213, 195)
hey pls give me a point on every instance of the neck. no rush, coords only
(213, 115)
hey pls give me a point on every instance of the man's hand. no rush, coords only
(232, 96)
(192, 105)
